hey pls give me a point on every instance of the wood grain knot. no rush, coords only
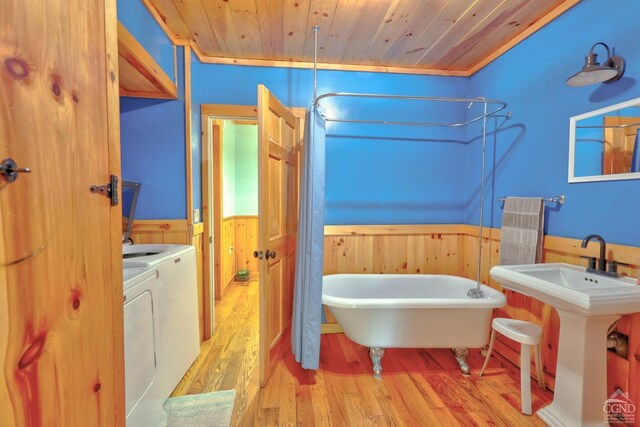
(32, 353)
(637, 357)
(18, 68)
(113, 76)
(55, 88)
(96, 387)
(75, 98)
(76, 295)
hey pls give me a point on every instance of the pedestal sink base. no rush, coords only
(581, 375)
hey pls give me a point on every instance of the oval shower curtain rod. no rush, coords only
(501, 106)
(476, 292)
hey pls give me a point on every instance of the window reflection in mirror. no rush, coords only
(604, 144)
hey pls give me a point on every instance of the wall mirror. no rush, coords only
(604, 144)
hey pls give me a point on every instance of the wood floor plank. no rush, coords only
(418, 387)
(320, 402)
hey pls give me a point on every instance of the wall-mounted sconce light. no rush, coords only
(592, 72)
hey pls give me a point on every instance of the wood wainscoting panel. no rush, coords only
(392, 249)
(246, 242)
(227, 251)
(170, 231)
(239, 240)
(453, 249)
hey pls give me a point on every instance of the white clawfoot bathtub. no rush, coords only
(411, 311)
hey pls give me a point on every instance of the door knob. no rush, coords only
(270, 254)
(258, 254)
(10, 170)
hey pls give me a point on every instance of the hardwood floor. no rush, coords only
(419, 387)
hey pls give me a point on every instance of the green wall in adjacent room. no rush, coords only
(239, 169)
(228, 169)
(246, 170)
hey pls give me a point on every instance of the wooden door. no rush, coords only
(619, 140)
(61, 332)
(278, 141)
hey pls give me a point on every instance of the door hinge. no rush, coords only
(109, 190)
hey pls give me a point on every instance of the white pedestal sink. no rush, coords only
(587, 305)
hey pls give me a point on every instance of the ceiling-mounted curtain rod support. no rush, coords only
(316, 30)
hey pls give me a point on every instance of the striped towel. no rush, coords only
(522, 231)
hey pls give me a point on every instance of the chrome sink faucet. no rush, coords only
(602, 260)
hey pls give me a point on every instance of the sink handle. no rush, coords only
(592, 262)
(613, 267)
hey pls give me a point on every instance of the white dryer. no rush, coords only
(143, 400)
(178, 342)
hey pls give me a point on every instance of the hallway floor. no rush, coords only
(419, 387)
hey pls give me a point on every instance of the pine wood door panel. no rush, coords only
(278, 192)
(61, 332)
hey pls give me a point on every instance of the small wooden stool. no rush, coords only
(527, 334)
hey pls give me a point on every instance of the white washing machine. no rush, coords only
(143, 399)
(178, 335)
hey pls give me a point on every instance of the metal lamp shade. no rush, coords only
(592, 72)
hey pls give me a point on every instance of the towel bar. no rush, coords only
(561, 199)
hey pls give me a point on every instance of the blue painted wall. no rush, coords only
(375, 174)
(403, 175)
(139, 22)
(153, 151)
(528, 155)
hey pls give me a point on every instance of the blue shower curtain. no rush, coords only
(307, 296)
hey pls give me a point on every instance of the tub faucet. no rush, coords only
(602, 261)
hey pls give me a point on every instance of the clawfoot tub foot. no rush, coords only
(376, 354)
(461, 357)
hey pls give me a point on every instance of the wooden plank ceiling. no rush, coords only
(446, 35)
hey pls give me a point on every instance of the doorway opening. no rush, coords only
(229, 356)
(251, 323)
(238, 140)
